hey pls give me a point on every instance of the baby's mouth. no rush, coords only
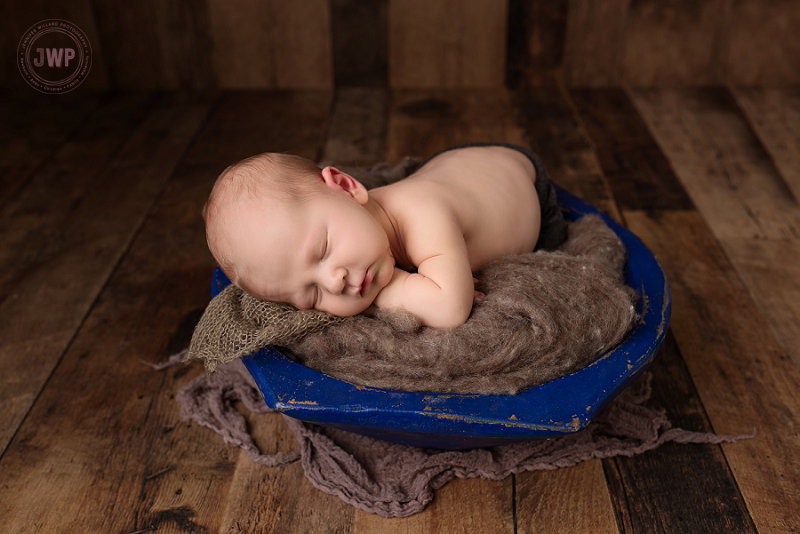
(365, 283)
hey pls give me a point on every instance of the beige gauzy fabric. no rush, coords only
(235, 324)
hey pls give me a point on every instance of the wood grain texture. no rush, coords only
(572, 499)
(75, 453)
(109, 481)
(34, 128)
(700, 331)
(536, 33)
(423, 122)
(771, 271)
(463, 506)
(769, 268)
(721, 162)
(447, 43)
(747, 202)
(55, 255)
(774, 115)
(281, 499)
(675, 43)
(594, 46)
(743, 376)
(734, 360)
(156, 45)
(357, 135)
(271, 44)
(133, 62)
(186, 45)
(49, 198)
(661, 491)
(638, 173)
(764, 49)
(359, 33)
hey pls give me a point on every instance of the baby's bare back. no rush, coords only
(488, 190)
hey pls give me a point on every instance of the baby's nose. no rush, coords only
(337, 281)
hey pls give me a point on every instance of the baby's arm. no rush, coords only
(441, 292)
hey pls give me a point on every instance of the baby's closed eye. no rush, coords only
(323, 253)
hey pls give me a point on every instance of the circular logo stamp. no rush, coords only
(54, 56)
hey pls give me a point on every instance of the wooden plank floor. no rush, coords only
(103, 264)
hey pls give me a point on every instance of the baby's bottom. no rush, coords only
(553, 231)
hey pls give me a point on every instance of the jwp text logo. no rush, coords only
(54, 56)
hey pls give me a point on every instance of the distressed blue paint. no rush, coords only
(458, 421)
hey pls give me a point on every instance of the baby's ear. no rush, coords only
(338, 180)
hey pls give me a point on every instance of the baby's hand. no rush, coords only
(391, 295)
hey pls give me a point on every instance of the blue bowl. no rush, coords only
(464, 421)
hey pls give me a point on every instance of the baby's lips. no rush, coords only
(365, 282)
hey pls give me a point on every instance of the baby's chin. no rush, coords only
(351, 308)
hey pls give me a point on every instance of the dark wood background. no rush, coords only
(318, 44)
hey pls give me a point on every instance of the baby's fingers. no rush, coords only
(478, 295)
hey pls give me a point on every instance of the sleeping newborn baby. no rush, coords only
(282, 229)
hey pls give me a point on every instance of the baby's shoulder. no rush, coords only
(414, 200)
(428, 227)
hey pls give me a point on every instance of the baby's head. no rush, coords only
(282, 229)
